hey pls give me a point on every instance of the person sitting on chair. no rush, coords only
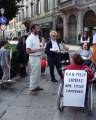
(77, 64)
(86, 54)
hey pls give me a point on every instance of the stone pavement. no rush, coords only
(16, 103)
(73, 47)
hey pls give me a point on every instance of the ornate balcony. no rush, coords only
(67, 4)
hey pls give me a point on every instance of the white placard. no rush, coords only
(75, 82)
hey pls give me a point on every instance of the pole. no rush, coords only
(3, 35)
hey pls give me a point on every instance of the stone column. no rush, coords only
(65, 28)
(54, 23)
(79, 24)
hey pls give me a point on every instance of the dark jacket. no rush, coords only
(21, 52)
(50, 54)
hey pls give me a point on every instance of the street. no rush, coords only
(17, 103)
(38, 29)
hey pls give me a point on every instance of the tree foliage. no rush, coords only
(11, 8)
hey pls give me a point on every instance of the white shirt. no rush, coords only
(33, 42)
(55, 45)
(94, 38)
(84, 41)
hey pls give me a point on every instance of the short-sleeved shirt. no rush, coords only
(33, 42)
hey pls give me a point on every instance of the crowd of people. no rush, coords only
(53, 52)
(31, 48)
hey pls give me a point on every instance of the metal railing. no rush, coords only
(70, 3)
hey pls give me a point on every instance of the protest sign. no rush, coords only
(75, 82)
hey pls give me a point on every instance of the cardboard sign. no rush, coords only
(75, 82)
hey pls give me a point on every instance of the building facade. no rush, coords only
(68, 17)
(33, 11)
(72, 17)
(38, 11)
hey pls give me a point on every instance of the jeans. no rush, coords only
(5, 70)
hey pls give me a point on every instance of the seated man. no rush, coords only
(77, 64)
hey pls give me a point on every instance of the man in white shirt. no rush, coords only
(34, 50)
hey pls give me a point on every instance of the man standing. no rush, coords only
(53, 56)
(34, 50)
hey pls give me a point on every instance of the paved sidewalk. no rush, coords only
(73, 47)
(17, 103)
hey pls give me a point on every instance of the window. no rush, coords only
(26, 11)
(37, 7)
(46, 5)
(32, 9)
(22, 1)
(22, 13)
(19, 17)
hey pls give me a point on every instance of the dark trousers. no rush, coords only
(52, 64)
(43, 69)
(87, 62)
(1, 72)
(22, 69)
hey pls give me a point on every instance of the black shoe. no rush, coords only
(54, 80)
(38, 88)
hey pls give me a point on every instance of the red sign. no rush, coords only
(3, 27)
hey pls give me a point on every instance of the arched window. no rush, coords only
(89, 19)
(72, 29)
(59, 27)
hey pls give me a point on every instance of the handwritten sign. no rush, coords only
(75, 82)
